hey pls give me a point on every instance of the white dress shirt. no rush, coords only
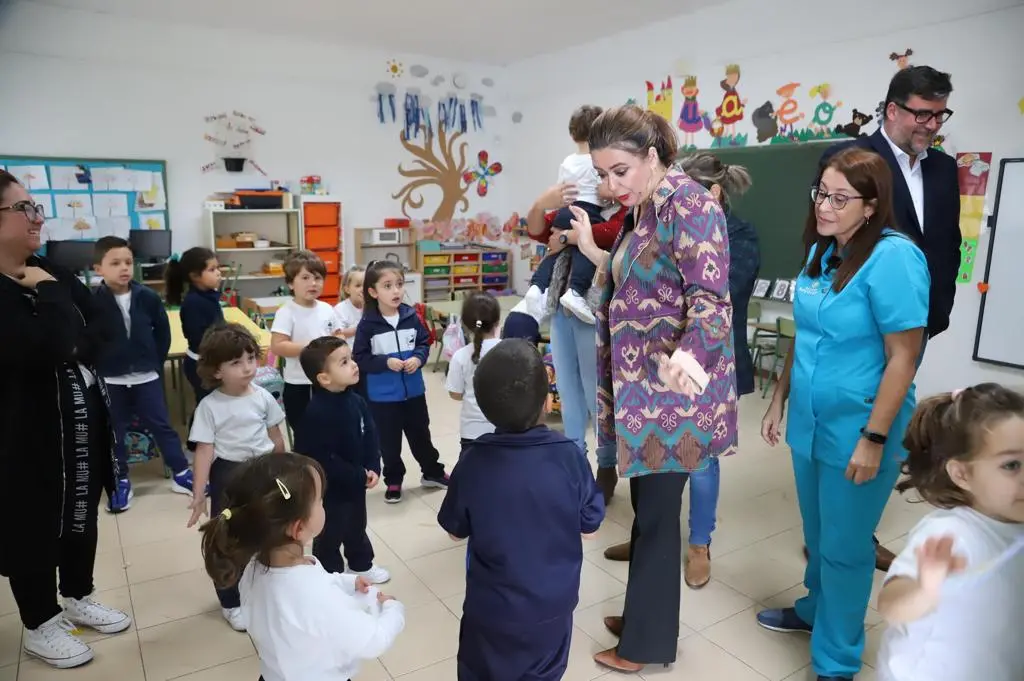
(913, 176)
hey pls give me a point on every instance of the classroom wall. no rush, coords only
(845, 44)
(83, 84)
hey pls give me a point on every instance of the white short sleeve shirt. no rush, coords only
(303, 324)
(237, 426)
(472, 422)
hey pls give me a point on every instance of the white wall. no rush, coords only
(844, 44)
(82, 84)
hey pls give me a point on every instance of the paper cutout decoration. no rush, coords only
(418, 71)
(459, 81)
(517, 116)
(386, 102)
(824, 112)
(853, 129)
(417, 114)
(487, 82)
(764, 120)
(691, 118)
(938, 143)
(1020, 106)
(233, 135)
(788, 114)
(730, 111)
(434, 168)
(451, 114)
(901, 59)
(481, 176)
(475, 114)
(660, 102)
(437, 80)
(972, 173)
(395, 68)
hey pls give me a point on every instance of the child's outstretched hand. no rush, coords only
(198, 506)
(936, 562)
(395, 364)
(382, 597)
(411, 365)
(371, 479)
(363, 584)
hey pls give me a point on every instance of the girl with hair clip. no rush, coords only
(306, 623)
(954, 596)
(480, 315)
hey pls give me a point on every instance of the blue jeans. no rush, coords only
(704, 487)
(574, 354)
(145, 400)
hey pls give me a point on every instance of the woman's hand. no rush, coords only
(557, 196)
(555, 240)
(863, 466)
(675, 377)
(584, 230)
(771, 424)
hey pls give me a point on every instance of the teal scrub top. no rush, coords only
(840, 350)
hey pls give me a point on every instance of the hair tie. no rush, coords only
(226, 513)
(479, 324)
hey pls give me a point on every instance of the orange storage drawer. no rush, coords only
(330, 300)
(331, 260)
(332, 286)
(321, 214)
(322, 238)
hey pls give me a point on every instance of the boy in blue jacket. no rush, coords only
(338, 431)
(132, 365)
(523, 480)
(391, 346)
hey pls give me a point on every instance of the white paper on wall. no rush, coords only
(110, 205)
(116, 226)
(32, 178)
(72, 206)
(152, 221)
(71, 229)
(106, 179)
(66, 177)
(46, 201)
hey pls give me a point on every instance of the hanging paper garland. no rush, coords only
(474, 108)
(412, 115)
(234, 133)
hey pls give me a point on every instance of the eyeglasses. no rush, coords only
(837, 201)
(922, 116)
(32, 211)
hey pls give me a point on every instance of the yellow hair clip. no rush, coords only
(284, 490)
(226, 513)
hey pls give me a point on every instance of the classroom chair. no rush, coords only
(785, 333)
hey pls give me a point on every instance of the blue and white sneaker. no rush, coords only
(783, 620)
(121, 500)
(181, 483)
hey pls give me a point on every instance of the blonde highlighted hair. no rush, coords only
(347, 279)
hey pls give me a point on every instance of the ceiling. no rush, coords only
(497, 32)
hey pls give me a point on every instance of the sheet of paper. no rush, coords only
(106, 179)
(46, 201)
(122, 179)
(32, 178)
(152, 197)
(66, 177)
(110, 205)
(116, 226)
(70, 229)
(73, 205)
(142, 180)
(152, 221)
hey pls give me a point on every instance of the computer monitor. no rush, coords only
(150, 245)
(77, 256)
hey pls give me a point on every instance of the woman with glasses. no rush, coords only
(861, 307)
(56, 454)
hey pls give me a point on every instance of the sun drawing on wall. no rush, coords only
(438, 168)
(395, 68)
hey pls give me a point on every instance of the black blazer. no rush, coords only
(940, 239)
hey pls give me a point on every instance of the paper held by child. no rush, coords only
(683, 373)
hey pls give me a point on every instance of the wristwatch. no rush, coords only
(874, 437)
(563, 238)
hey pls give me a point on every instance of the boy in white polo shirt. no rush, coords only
(296, 323)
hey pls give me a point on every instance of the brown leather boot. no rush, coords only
(618, 553)
(610, 659)
(697, 572)
(606, 480)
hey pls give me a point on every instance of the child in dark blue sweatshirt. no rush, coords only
(523, 480)
(338, 431)
(391, 347)
(133, 363)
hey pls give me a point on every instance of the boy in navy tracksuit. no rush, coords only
(132, 365)
(337, 430)
(391, 346)
(523, 480)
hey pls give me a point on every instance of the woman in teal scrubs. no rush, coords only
(861, 308)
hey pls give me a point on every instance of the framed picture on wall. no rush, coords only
(761, 287)
(780, 290)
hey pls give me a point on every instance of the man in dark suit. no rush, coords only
(926, 196)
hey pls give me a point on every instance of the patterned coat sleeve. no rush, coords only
(701, 249)
(605, 397)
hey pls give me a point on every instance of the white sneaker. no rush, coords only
(54, 644)
(234, 618)
(86, 612)
(536, 303)
(375, 575)
(575, 303)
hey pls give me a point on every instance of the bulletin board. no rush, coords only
(85, 199)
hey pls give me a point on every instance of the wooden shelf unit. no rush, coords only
(280, 227)
(470, 268)
(323, 234)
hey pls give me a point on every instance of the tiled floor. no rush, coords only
(150, 566)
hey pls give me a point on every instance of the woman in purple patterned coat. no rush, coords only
(664, 287)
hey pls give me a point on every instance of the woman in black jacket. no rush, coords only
(55, 439)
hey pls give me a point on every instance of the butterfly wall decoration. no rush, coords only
(482, 174)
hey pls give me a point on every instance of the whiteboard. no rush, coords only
(1000, 336)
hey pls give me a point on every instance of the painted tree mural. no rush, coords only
(432, 167)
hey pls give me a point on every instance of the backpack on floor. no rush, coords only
(139, 443)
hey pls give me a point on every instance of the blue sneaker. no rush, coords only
(181, 483)
(121, 499)
(784, 620)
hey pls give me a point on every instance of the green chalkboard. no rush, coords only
(778, 199)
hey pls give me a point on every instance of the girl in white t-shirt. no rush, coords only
(480, 316)
(306, 623)
(954, 597)
(350, 309)
(297, 322)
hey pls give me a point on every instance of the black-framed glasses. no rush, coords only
(838, 201)
(922, 116)
(32, 211)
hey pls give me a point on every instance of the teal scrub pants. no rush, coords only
(839, 521)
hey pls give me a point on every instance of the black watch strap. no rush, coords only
(872, 436)
(563, 238)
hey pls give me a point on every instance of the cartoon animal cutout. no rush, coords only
(853, 128)
(730, 111)
(788, 113)
(691, 118)
(764, 122)
(660, 102)
(901, 59)
(821, 123)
